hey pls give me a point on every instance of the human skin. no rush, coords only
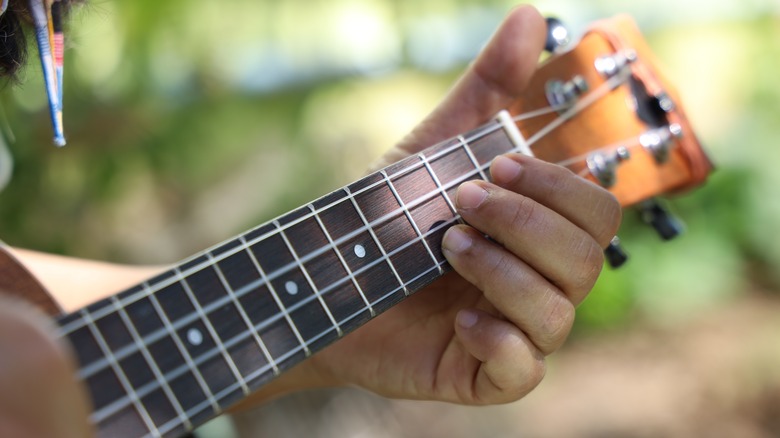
(478, 335)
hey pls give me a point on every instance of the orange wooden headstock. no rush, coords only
(615, 119)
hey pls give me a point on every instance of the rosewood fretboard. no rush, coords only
(167, 355)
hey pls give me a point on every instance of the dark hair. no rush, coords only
(13, 43)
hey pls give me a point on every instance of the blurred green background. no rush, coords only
(189, 122)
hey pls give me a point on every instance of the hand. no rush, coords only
(39, 394)
(480, 335)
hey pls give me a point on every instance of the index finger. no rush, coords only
(583, 203)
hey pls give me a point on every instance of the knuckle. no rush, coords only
(555, 179)
(522, 214)
(589, 267)
(497, 268)
(611, 214)
(556, 325)
(535, 372)
(585, 264)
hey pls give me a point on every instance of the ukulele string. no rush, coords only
(600, 92)
(97, 366)
(489, 129)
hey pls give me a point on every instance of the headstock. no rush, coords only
(613, 118)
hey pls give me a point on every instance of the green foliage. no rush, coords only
(189, 122)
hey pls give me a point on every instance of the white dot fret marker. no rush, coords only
(194, 336)
(291, 287)
(360, 251)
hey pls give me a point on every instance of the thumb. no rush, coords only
(499, 73)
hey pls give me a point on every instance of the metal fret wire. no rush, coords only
(305, 272)
(160, 333)
(407, 211)
(344, 264)
(158, 374)
(242, 312)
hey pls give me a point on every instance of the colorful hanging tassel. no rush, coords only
(41, 20)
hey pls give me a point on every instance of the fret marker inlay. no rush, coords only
(360, 251)
(194, 336)
(291, 287)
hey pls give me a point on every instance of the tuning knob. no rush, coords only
(666, 224)
(557, 35)
(615, 255)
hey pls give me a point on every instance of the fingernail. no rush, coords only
(504, 169)
(470, 195)
(467, 318)
(456, 240)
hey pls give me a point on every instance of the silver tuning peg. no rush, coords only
(603, 165)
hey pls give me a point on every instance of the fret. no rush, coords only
(221, 375)
(439, 186)
(279, 333)
(348, 298)
(412, 261)
(144, 317)
(209, 290)
(124, 422)
(227, 323)
(242, 272)
(433, 217)
(314, 325)
(99, 308)
(310, 310)
(137, 369)
(129, 391)
(284, 342)
(412, 181)
(141, 368)
(166, 355)
(259, 306)
(224, 247)
(465, 145)
(452, 164)
(377, 203)
(489, 146)
(85, 346)
(384, 280)
(420, 260)
(170, 354)
(160, 409)
(380, 280)
(271, 252)
(253, 362)
(204, 284)
(105, 388)
(329, 271)
(163, 347)
(238, 270)
(68, 320)
(174, 302)
(192, 264)
(338, 214)
(114, 331)
(199, 404)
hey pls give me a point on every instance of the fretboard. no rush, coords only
(167, 355)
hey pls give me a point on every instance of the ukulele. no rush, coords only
(166, 355)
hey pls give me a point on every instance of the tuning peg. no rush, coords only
(665, 222)
(659, 141)
(603, 166)
(557, 35)
(615, 255)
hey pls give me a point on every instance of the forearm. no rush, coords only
(74, 282)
